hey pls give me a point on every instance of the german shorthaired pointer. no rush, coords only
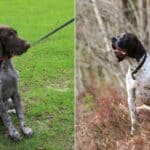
(10, 45)
(138, 77)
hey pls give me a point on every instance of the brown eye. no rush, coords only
(123, 36)
(11, 35)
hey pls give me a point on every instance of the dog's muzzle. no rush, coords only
(119, 52)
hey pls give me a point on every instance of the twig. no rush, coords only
(101, 24)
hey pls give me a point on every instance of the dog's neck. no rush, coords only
(5, 63)
(133, 63)
(4, 58)
(138, 67)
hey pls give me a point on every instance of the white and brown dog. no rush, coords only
(138, 77)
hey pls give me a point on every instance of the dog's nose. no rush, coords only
(113, 39)
(27, 45)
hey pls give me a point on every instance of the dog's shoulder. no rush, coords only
(142, 76)
(144, 72)
(130, 83)
(147, 63)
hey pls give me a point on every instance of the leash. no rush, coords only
(140, 65)
(52, 32)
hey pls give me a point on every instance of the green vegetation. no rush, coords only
(46, 73)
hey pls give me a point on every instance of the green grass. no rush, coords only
(46, 73)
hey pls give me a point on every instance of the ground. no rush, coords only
(103, 121)
(46, 73)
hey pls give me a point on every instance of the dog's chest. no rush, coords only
(143, 91)
(144, 73)
(8, 79)
(142, 82)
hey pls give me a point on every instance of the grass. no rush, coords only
(46, 73)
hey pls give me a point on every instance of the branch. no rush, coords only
(101, 24)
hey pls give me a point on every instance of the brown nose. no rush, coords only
(26, 45)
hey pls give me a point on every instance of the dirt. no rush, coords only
(103, 122)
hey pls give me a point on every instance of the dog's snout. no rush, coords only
(26, 45)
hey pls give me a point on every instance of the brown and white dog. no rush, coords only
(127, 46)
(11, 45)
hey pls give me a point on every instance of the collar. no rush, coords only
(2, 58)
(139, 66)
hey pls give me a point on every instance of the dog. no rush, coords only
(127, 46)
(10, 45)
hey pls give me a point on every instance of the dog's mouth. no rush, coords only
(120, 53)
(16, 52)
(19, 51)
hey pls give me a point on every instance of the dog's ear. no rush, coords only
(140, 51)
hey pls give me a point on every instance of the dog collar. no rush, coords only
(2, 58)
(138, 67)
(6, 56)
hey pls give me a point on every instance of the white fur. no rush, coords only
(138, 88)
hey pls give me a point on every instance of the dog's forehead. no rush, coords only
(131, 35)
(128, 35)
(122, 34)
(6, 28)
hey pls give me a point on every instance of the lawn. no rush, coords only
(46, 73)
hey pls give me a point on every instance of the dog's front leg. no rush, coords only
(132, 108)
(17, 104)
(131, 91)
(13, 133)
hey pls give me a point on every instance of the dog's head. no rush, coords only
(127, 45)
(10, 43)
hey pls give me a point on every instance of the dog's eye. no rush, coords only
(124, 36)
(11, 35)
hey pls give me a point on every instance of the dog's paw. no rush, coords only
(14, 135)
(133, 130)
(27, 131)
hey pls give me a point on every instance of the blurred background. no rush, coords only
(102, 114)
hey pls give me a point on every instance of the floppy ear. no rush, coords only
(140, 51)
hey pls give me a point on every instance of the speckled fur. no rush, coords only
(127, 46)
(139, 88)
(10, 45)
